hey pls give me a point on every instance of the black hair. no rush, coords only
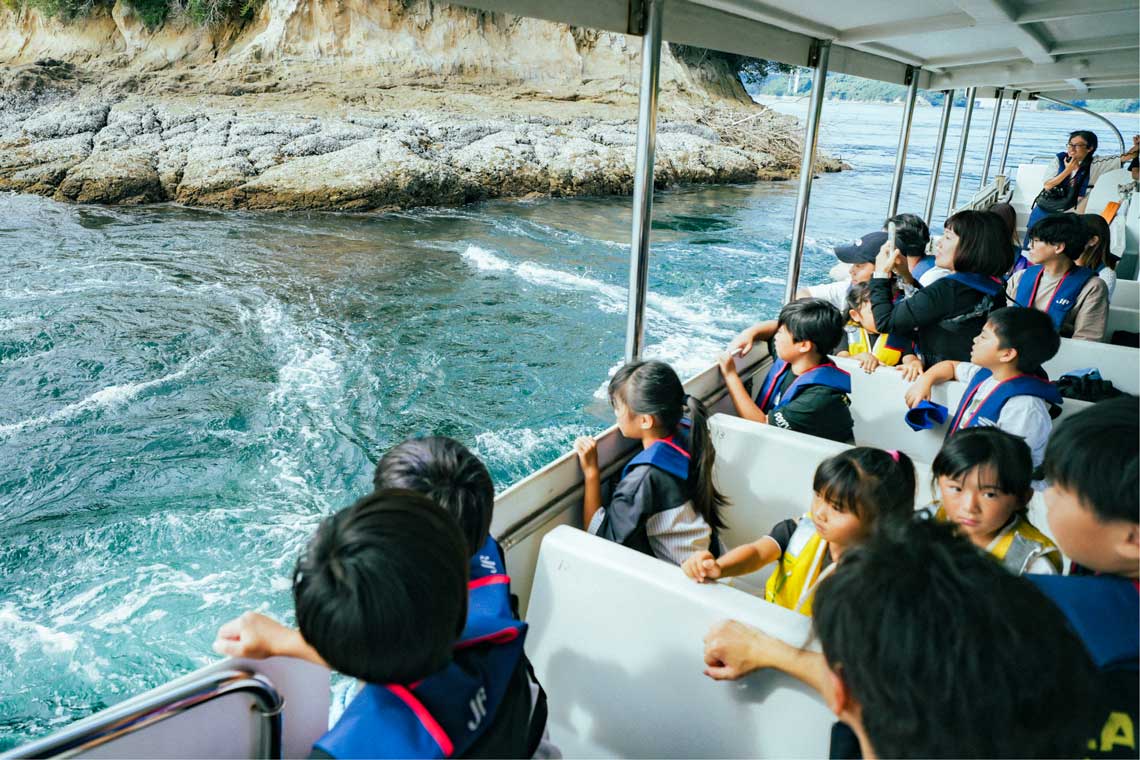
(1088, 137)
(445, 471)
(1028, 331)
(911, 234)
(1097, 227)
(983, 243)
(934, 640)
(876, 486)
(858, 294)
(1005, 454)
(652, 387)
(1094, 455)
(381, 590)
(909, 222)
(815, 320)
(1008, 215)
(1058, 229)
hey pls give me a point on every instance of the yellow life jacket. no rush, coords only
(1018, 544)
(792, 584)
(859, 342)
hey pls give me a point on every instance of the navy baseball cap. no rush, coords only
(861, 251)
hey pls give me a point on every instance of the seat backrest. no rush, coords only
(1106, 190)
(878, 408)
(766, 473)
(1126, 295)
(1120, 364)
(615, 639)
(1030, 180)
(1121, 318)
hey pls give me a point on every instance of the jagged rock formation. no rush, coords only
(351, 105)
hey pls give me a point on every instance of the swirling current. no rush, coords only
(186, 393)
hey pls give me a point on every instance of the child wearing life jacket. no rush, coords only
(1091, 466)
(869, 347)
(943, 317)
(804, 390)
(381, 595)
(1098, 255)
(855, 492)
(665, 504)
(1003, 383)
(1075, 299)
(985, 478)
(451, 476)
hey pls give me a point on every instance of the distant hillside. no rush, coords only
(848, 87)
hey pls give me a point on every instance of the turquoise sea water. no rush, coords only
(186, 393)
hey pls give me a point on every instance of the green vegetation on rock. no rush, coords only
(153, 13)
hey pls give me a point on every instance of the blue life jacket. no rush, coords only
(666, 454)
(444, 714)
(984, 284)
(826, 374)
(489, 587)
(1064, 299)
(925, 264)
(1103, 610)
(991, 406)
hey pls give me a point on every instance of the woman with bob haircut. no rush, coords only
(944, 317)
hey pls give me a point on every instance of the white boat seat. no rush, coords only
(231, 726)
(1121, 318)
(615, 638)
(1120, 364)
(878, 408)
(766, 473)
(1126, 295)
(1030, 179)
(1107, 190)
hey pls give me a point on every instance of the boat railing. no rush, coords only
(162, 704)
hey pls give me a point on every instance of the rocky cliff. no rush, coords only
(357, 105)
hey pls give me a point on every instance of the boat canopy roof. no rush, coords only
(1073, 49)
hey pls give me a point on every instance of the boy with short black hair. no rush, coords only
(985, 667)
(370, 607)
(1075, 299)
(804, 390)
(1092, 465)
(1002, 383)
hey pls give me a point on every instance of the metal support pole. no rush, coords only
(939, 149)
(643, 181)
(998, 97)
(821, 53)
(971, 93)
(1009, 132)
(1093, 114)
(904, 139)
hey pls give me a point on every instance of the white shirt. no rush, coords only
(1109, 277)
(834, 293)
(1023, 416)
(932, 275)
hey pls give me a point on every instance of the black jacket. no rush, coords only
(942, 318)
(642, 493)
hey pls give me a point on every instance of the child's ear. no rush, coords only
(853, 315)
(645, 421)
(1008, 355)
(1130, 548)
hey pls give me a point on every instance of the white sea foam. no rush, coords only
(112, 395)
(484, 260)
(685, 312)
(22, 635)
(516, 445)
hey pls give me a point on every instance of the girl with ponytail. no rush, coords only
(665, 504)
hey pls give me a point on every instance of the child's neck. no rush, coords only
(1057, 265)
(804, 362)
(1004, 371)
(653, 436)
